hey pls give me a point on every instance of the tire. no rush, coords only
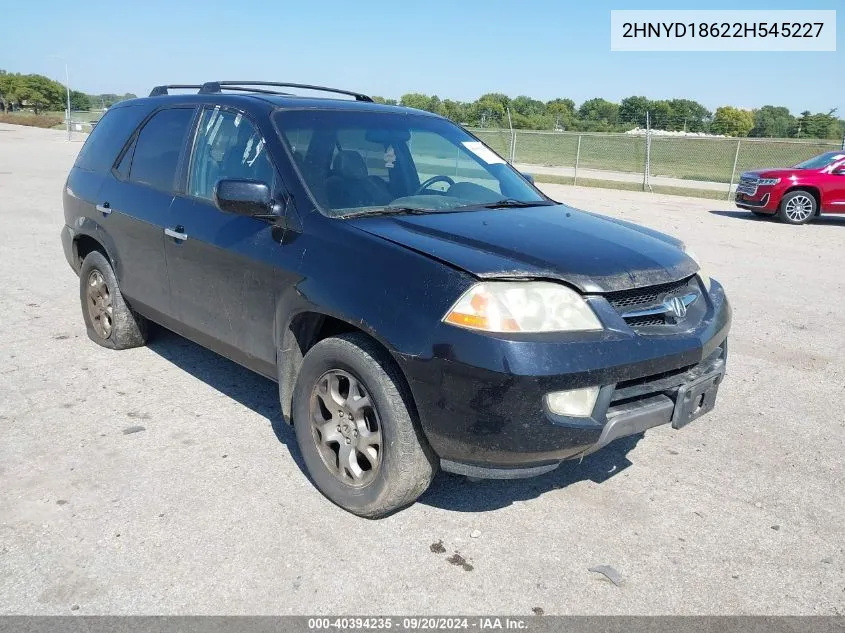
(109, 320)
(391, 462)
(798, 207)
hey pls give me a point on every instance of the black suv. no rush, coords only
(420, 303)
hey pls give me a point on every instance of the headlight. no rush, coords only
(705, 278)
(768, 181)
(530, 306)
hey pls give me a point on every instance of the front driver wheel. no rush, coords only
(354, 425)
(797, 207)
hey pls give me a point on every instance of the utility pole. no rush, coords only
(67, 87)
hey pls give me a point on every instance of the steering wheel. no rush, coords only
(433, 180)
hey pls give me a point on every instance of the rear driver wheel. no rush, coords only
(355, 428)
(109, 320)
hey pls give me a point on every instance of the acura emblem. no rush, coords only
(675, 307)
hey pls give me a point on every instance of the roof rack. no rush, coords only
(246, 86)
(162, 90)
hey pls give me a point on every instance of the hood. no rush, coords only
(780, 172)
(589, 251)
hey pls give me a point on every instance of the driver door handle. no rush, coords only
(177, 233)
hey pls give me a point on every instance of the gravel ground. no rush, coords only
(160, 480)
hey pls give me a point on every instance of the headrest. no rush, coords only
(350, 164)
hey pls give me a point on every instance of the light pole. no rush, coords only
(67, 88)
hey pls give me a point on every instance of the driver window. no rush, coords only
(434, 155)
(227, 146)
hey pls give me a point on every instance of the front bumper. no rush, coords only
(480, 397)
(763, 199)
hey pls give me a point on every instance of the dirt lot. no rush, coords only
(160, 480)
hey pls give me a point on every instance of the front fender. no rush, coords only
(392, 293)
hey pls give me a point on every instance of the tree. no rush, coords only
(502, 99)
(79, 100)
(732, 121)
(660, 115)
(9, 84)
(773, 121)
(454, 110)
(819, 125)
(599, 110)
(383, 100)
(488, 111)
(688, 115)
(633, 110)
(415, 100)
(38, 92)
(526, 106)
(562, 111)
(106, 100)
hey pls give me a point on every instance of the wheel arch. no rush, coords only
(302, 330)
(91, 237)
(812, 190)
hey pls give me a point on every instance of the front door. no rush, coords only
(226, 270)
(833, 184)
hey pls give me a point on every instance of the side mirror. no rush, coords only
(527, 177)
(839, 171)
(243, 197)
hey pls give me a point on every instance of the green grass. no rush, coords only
(687, 158)
(632, 186)
(32, 120)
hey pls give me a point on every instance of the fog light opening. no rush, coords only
(576, 403)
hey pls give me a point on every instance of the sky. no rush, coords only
(457, 49)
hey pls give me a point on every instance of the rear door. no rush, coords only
(135, 202)
(225, 269)
(92, 167)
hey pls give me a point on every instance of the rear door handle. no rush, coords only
(104, 208)
(177, 233)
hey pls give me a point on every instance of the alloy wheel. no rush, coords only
(799, 208)
(100, 307)
(346, 428)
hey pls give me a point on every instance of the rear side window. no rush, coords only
(108, 136)
(158, 147)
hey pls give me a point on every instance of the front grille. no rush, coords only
(626, 300)
(747, 186)
(667, 381)
(646, 321)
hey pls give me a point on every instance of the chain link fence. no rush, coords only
(703, 165)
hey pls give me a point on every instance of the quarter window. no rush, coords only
(159, 145)
(228, 146)
(108, 136)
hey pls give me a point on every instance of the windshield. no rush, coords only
(361, 163)
(821, 161)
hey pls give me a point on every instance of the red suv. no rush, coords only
(796, 194)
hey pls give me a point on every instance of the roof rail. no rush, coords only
(162, 90)
(245, 86)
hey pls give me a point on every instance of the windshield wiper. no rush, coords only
(386, 211)
(511, 203)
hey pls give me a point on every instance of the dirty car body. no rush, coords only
(523, 332)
